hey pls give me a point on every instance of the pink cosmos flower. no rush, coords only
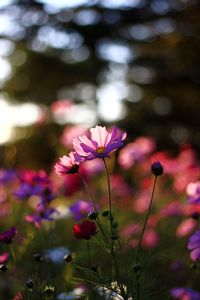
(100, 142)
(68, 164)
(185, 227)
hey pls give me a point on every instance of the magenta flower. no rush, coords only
(68, 164)
(4, 257)
(100, 142)
(8, 235)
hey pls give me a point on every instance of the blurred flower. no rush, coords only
(68, 164)
(71, 132)
(40, 216)
(26, 190)
(150, 239)
(4, 257)
(57, 254)
(113, 293)
(120, 188)
(186, 227)
(171, 209)
(7, 176)
(193, 192)
(185, 294)
(135, 151)
(129, 230)
(77, 293)
(194, 246)
(92, 167)
(34, 177)
(18, 296)
(85, 230)
(80, 209)
(8, 235)
(100, 143)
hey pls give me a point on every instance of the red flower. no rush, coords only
(18, 296)
(85, 230)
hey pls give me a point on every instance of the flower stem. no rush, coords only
(94, 207)
(88, 191)
(109, 194)
(141, 236)
(148, 212)
(13, 254)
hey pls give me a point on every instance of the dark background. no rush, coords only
(134, 63)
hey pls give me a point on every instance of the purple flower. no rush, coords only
(38, 217)
(100, 142)
(185, 294)
(194, 246)
(80, 209)
(7, 176)
(8, 235)
(26, 190)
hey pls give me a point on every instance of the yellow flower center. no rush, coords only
(100, 149)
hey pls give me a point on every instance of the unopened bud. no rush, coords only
(37, 257)
(29, 283)
(67, 258)
(3, 268)
(49, 290)
(105, 213)
(92, 215)
(157, 168)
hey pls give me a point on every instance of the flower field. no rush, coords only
(114, 219)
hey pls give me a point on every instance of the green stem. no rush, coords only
(13, 253)
(88, 191)
(109, 194)
(94, 207)
(148, 212)
(141, 237)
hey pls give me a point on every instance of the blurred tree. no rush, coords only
(139, 56)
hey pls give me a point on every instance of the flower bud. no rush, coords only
(29, 283)
(67, 258)
(94, 268)
(92, 215)
(37, 257)
(115, 224)
(105, 213)
(49, 290)
(3, 268)
(114, 237)
(157, 168)
(136, 267)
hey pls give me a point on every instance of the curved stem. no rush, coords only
(109, 194)
(88, 191)
(13, 253)
(148, 212)
(94, 207)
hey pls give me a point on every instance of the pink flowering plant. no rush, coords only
(104, 224)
